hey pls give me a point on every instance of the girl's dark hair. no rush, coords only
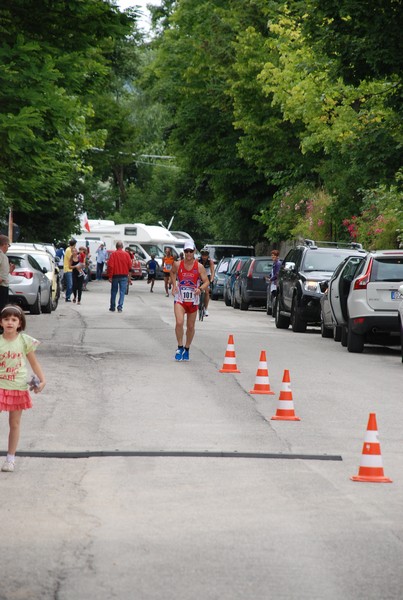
(14, 309)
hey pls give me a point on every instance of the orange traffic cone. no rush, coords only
(262, 383)
(229, 365)
(285, 407)
(371, 468)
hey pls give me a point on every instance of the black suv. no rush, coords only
(298, 291)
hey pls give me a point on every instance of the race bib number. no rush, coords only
(167, 267)
(188, 295)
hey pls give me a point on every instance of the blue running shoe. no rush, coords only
(179, 353)
(185, 354)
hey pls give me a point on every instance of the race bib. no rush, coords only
(167, 267)
(188, 295)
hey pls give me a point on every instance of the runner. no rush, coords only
(185, 278)
(167, 262)
(208, 264)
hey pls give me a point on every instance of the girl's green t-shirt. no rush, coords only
(13, 363)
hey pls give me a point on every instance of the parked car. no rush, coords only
(250, 286)
(29, 286)
(333, 303)
(233, 271)
(400, 317)
(46, 260)
(217, 285)
(298, 290)
(372, 301)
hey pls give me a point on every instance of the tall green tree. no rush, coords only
(50, 66)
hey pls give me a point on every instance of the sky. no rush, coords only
(145, 21)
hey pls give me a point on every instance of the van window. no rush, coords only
(130, 230)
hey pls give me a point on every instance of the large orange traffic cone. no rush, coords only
(262, 383)
(371, 468)
(229, 365)
(285, 407)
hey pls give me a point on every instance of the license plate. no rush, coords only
(395, 295)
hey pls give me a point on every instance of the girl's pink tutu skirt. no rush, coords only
(15, 400)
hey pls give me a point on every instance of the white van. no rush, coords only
(143, 239)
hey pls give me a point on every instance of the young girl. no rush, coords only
(14, 394)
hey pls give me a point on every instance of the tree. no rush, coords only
(48, 65)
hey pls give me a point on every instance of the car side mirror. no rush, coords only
(44, 270)
(323, 285)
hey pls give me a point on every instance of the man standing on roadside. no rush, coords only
(68, 271)
(101, 254)
(185, 279)
(4, 271)
(119, 265)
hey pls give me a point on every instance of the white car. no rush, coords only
(333, 303)
(400, 316)
(374, 297)
(46, 261)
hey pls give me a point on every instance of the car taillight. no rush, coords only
(26, 274)
(250, 271)
(362, 282)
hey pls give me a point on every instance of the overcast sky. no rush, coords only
(145, 21)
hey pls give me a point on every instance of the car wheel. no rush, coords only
(243, 304)
(355, 341)
(337, 333)
(298, 325)
(234, 302)
(269, 309)
(47, 309)
(282, 322)
(227, 300)
(343, 339)
(326, 332)
(35, 309)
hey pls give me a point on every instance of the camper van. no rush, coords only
(144, 240)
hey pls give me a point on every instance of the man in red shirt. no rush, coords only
(119, 265)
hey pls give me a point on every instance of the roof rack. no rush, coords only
(324, 244)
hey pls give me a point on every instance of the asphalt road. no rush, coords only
(142, 478)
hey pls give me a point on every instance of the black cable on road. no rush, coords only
(172, 454)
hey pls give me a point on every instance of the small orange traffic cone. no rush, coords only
(229, 365)
(285, 407)
(371, 468)
(262, 383)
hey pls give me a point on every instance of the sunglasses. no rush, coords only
(186, 251)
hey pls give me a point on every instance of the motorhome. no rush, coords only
(144, 240)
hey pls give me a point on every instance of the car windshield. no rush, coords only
(387, 269)
(43, 260)
(264, 266)
(223, 266)
(322, 261)
(153, 249)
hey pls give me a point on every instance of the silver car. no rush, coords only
(333, 303)
(29, 286)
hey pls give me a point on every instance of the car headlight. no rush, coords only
(311, 286)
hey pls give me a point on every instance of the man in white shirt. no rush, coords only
(4, 271)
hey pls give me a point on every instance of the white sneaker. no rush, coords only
(8, 467)
(205, 312)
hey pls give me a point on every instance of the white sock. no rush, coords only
(10, 457)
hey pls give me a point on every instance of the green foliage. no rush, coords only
(380, 223)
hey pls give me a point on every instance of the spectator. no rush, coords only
(101, 255)
(4, 270)
(119, 266)
(68, 271)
